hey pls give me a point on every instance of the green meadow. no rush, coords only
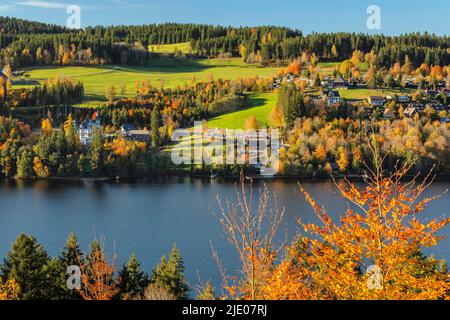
(261, 105)
(363, 94)
(161, 72)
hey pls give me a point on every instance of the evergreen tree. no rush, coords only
(71, 253)
(155, 125)
(290, 100)
(133, 281)
(24, 164)
(70, 256)
(28, 264)
(97, 152)
(169, 274)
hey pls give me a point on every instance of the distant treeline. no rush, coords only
(29, 43)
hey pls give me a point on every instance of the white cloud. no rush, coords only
(5, 7)
(44, 4)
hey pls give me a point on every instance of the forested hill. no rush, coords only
(25, 43)
(14, 26)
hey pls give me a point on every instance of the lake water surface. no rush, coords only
(147, 218)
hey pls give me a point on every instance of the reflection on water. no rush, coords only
(148, 217)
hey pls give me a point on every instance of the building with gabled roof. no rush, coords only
(376, 101)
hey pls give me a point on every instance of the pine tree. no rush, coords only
(70, 256)
(290, 100)
(71, 253)
(169, 274)
(133, 281)
(96, 152)
(155, 125)
(28, 264)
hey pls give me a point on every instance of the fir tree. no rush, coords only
(155, 125)
(169, 274)
(96, 152)
(28, 264)
(132, 280)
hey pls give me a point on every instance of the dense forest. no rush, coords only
(24, 43)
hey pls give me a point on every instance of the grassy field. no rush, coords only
(362, 94)
(184, 47)
(261, 105)
(165, 72)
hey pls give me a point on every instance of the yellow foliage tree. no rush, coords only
(374, 251)
(46, 127)
(40, 169)
(9, 290)
(342, 162)
(65, 59)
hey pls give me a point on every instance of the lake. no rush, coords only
(147, 218)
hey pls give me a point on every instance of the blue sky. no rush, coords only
(397, 16)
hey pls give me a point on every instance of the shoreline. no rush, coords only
(219, 178)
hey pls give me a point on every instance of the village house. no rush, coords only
(333, 97)
(418, 106)
(376, 101)
(340, 83)
(127, 128)
(276, 84)
(129, 132)
(410, 112)
(403, 99)
(86, 130)
(337, 83)
(138, 135)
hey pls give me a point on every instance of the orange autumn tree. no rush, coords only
(294, 68)
(374, 250)
(97, 275)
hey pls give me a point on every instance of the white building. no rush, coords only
(333, 97)
(86, 131)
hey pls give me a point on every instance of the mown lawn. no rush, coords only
(261, 105)
(166, 72)
(363, 94)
